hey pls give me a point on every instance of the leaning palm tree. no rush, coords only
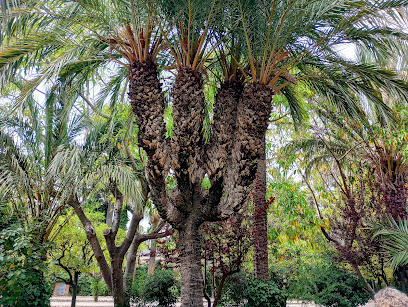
(120, 43)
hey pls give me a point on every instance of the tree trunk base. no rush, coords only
(190, 260)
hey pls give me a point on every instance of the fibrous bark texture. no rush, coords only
(253, 113)
(225, 117)
(229, 159)
(260, 231)
(190, 260)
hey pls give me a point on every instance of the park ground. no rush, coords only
(107, 301)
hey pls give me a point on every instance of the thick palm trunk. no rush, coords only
(188, 116)
(234, 147)
(253, 114)
(225, 116)
(260, 228)
(190, 259)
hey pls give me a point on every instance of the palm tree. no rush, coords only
(28, 146)
(126, 39)
(394, 236)
(280, 59)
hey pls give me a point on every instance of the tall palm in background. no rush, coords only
(119, 43)
(28, 186)
(28, 148)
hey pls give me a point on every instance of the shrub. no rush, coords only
(242, 288)
(233, 290)
(161, 287)
(138, 283)
(22, 281)
(84, 285)
(331, 285)
(264, 294)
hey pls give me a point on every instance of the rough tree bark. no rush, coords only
(229, 159)
(190, 259)
(260, 231)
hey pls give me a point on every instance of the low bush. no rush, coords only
(161, 287)
(242, 288)
(265, 294)
(22, 267)
(329, 284)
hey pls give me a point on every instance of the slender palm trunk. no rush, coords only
(260, 228)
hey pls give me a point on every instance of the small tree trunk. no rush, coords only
(152, 259)
(130, 270)
(190, 260)
(260, 231)
(360, 276)
(120, 299)
(74, 288)
(219, 289)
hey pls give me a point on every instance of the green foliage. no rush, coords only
(242, 287)
(233, 290)
(71, 245)
(138, 281)
(294, 220)
(269, 293)
(162, 286)
(327, 284)
(394, 239)
(99, 287)
(22, 280)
